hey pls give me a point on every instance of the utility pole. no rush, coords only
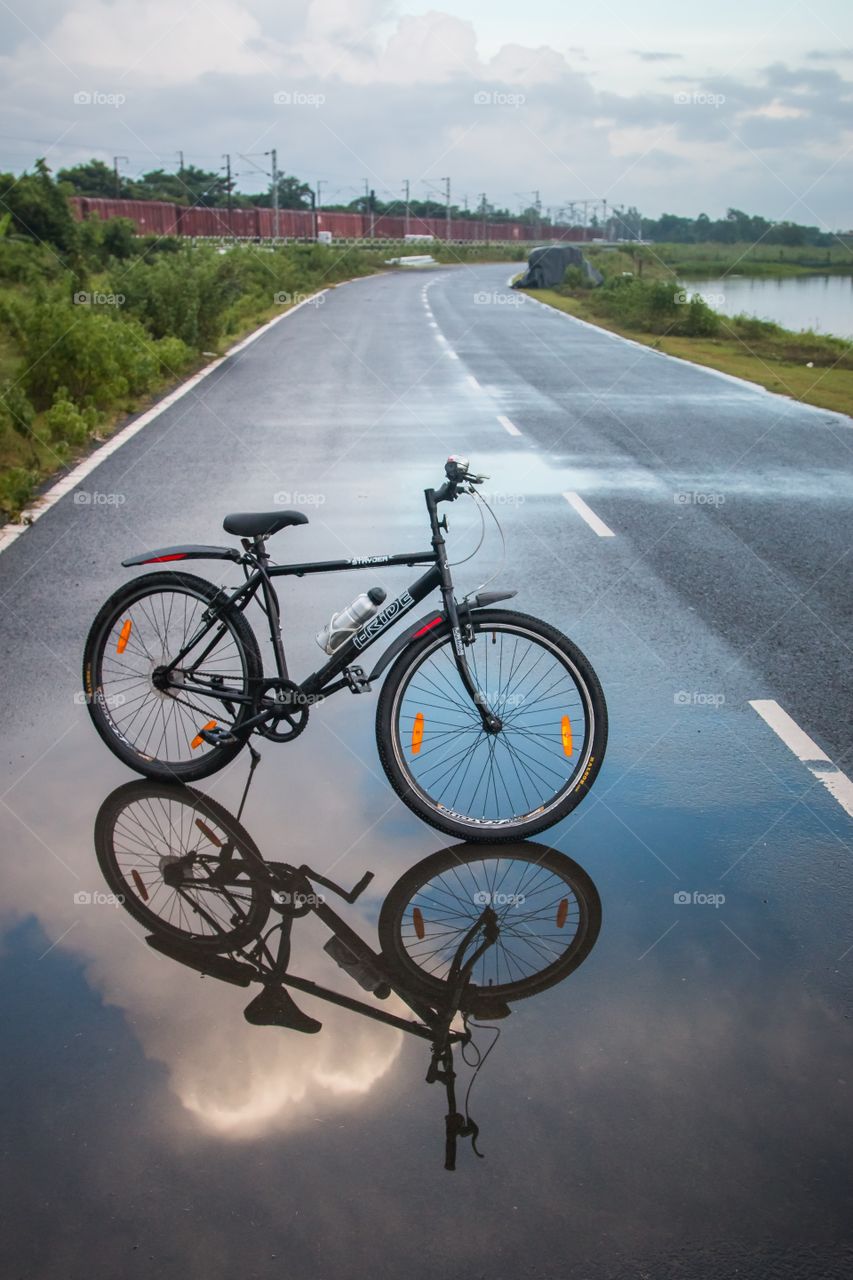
(318, 204)
(485, 232)
(446, 182)
(537, 205)
(227, 160)
(115, 171)
(406, 190)
(181, 165)
(368, 206)
(275, 223)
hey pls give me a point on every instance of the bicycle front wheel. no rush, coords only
(477, 785)
(548, 909)
(154, 725)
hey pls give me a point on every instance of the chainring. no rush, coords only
(294, 716)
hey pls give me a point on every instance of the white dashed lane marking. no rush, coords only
(586, 513)
(508, 426)
(813, 757)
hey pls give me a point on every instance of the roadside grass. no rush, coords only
(754, 350)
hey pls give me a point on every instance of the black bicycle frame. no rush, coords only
(320, 683)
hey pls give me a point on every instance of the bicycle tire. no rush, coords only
(252, 899)
(102, 700)
(401, 948)
(397, 759)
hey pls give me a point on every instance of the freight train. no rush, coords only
(160, 218)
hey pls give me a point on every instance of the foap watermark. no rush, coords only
(698, 698)
(285, 898)
(698, 498)
(498, 98)
(684, 296)
(298, 98)
(682, 898)
(498, 499)
(496, 299)
(83, 298)
(285, 299)
(99, 698)
(97, 898)
(486, 899)
(295, 498)
(698, 98)
(94, 498)
(96, 98)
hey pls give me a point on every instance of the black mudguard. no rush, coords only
(163, 555)
(431, 620)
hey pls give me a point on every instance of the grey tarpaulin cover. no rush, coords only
(547, 265)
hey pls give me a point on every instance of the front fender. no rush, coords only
(413, 632)
(431, 620)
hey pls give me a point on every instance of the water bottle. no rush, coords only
(342, 625)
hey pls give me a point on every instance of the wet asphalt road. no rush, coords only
(680, 1105)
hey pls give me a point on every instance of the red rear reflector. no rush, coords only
(429, 626)
(562, 912)
(418, 922)
(178, 555)
(206, 831)
(140, 887)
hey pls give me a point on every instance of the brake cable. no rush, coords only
(477, 1064)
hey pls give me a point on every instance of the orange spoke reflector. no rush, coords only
(206, 831)
(417, 733)
(562, 912)
(124, 636)
(198, 739)
(567, 735)
(418, 922)
(140, 887)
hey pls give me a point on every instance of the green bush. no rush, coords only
(68, 424)
(17, 413)
(119, 237)
(16, 488)
(174, 356)
(185, 296)
(98, 358)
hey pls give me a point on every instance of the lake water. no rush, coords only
(820, 302)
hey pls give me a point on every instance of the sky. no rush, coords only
(672, 107)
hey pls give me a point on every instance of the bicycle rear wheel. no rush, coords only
(177, 862)
(155, 728)
(478, 785)
(549, 916)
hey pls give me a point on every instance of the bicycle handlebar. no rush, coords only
(458, 474)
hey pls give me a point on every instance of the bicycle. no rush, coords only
(462, 934)
(490, 725)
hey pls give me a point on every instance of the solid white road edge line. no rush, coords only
(586, 513)
(816, 760)
(10, 532)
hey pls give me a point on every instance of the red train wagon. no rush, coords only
(150, 217)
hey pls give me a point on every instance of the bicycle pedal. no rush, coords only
(217, 737)
(357, 680)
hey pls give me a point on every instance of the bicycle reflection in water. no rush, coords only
(462, 934)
